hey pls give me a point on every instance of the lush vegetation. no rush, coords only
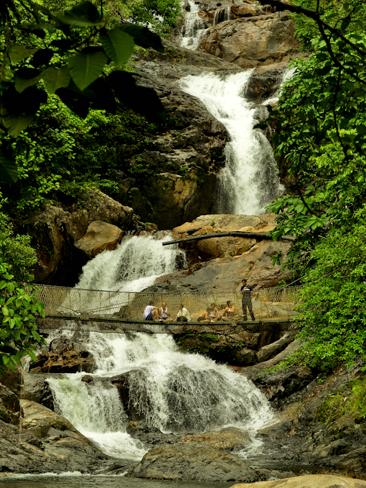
(320, 143)
(18, 308)
(67, 96)
(66, 87)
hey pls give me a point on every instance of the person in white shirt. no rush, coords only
(183, 314)
(149, 311)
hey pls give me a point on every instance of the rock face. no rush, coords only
(249, 41)
(218, 265)
(44, 442)
(54, 232)
(64, 356)
(308, 481)
(235, 344)
(207, 457)
(99, 236)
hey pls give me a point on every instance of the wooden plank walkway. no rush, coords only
(119, 325)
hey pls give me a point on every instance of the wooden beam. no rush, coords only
(235, 233)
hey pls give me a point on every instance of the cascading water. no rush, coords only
(171, 391)
(250, 178)
(193, 28)
(221, 14)
(115, 276)
(133, 266)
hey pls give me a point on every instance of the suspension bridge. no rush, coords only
(112, 310)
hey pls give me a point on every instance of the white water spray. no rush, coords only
(133, 266)
(171, 391)
(194, 27)
(250, 178)
(112, 278)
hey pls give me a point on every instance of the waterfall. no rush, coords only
(250, 178)
(170, 390)
(145, 378)
(221, 14)
(133, 266)
(112, 278)
(194, 27)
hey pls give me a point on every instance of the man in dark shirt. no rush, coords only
(246, 300)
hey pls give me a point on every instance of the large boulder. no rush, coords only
(176, 198)
(221, 263)
(250, 41)
(225, 246)
(206, 457)
(308, 481)
(99, 236)
(10, 382)
(55, 230)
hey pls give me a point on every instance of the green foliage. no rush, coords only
(72, 54)
(60, 154)
(333, 315)
(320, 145)
(15, 250)
(349, 401)
(18, 315)
(158, 15)
(18, 308)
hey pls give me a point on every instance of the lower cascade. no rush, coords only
(165, 389)
(144, 378)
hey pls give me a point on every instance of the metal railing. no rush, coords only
(75, 302)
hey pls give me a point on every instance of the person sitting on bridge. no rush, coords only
(183, 314)
(210, 314)
(163, 312)
(149, 311)
(229, 311)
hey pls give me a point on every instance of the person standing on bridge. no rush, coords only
(246, 299)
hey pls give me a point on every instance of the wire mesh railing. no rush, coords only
(276, 302)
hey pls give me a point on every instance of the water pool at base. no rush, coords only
(85, 481)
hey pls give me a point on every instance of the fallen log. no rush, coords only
(235, 233)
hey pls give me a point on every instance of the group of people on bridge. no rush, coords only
(212, 313)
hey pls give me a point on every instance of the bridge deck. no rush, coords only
(115, 324)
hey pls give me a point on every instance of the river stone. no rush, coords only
(36, 388)
(47, 442)
(308, 481)
(196, 461)
(99, 236)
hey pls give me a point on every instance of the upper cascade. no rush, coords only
(194, 27)
(250, 178)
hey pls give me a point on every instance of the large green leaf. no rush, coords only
(143, 36)
(118, 45)
(19, 53)
(42, 57)
(18, 109)
(16, 123)
(26, 77)
(74, 99)
(87, 66)
(56, 78)
(83, 14)
(8, 170)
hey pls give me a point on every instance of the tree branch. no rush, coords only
(316, 17)
(236, 233)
